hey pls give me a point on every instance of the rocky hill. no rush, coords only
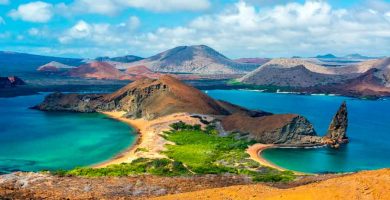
(198, 59)
(11, 81)
(296, 76)
(371, 77)
(368, 84)
(98, 70)
(54, 67)
(151, 99)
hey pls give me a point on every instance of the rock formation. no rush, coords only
(150, 99)
(11, 81)
(337, 131)
(287, 129)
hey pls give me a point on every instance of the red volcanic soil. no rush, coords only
(98, 70)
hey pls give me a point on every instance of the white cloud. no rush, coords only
(33, 31)
(284, 30)
(100, 33)
(112, 7)
(4, 2)
(168, 5)
(242, 29)
(2, 21)
(37, 11)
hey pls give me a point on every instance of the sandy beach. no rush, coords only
(255, 150)
(149, 143)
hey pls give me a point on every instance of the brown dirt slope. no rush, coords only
(363, 185)
(152, 98)
(98, 70)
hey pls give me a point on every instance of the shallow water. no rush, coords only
(369, 130)
(32, 140)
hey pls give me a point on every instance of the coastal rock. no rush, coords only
(337, 131)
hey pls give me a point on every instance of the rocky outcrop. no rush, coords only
(11, 81)
(289, 129)
(337, 131)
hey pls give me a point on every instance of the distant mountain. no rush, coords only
(297, 76)
(54, 67)
(258, 61)
(326, 56)
(11, 62)
(123, 59)
(198, 59)
(358, 56)
(97, 70)
(370, 77)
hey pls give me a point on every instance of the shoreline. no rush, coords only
(255, 151)
(125, 154)
(149, 142)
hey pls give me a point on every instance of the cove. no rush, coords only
(368, 131)
(32, 140)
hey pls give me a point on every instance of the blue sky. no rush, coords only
(236, 28)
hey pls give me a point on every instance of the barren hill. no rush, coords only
(53, 67)
(198, 59)
(296, 76)
(98, 70)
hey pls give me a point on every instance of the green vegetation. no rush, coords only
(196, 151)
(161, 167)
(204, 152)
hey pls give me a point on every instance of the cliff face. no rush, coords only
(337, 131)
(273, 129)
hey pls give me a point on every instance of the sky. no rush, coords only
(236, 28)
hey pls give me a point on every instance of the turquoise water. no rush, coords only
(32, 140)
(369, 130)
